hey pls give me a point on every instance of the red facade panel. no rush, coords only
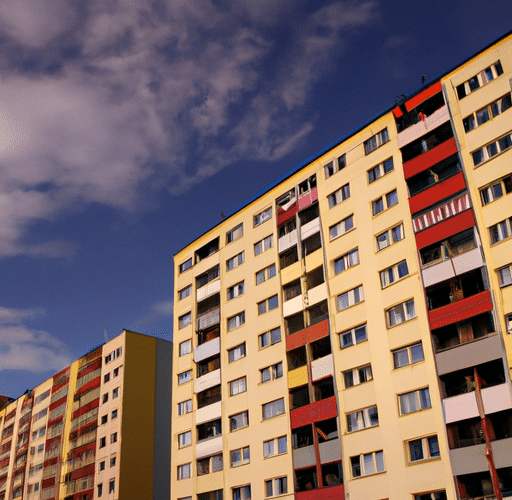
(308, 198)
(86, 408)
(309, 334)
(314, 412)
(430, 158)
(285, 215)
(90, 368)
(92, 384)
(331, 493)
(460, 310)
(437, 192)
(88, 470)
(57, 403)
(445, 229)
(48, 482)
(423, 96)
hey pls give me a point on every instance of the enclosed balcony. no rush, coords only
(309, 221)
(209, 396)
(208, 365)
(427, 142)
(208, 283)
(287, 235)
(207, 250)
(479, 486)
(308, 192)
(208, 312)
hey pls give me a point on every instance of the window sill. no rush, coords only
(424, 460)
(350, 307)
(389, 327)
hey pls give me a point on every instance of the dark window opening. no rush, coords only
(299, 397)
(423, 110)
(332, 474)
(321, 347)
(289, 257)
(318, 313)
(326, 430)
(297, 358)
(323, 389)
(438, 173)
(207, 250)
(294, 323)
(292, 290)
(311, 244)
(207, 335)
(427, 142)
(315, 277)
(208, 365)
(308, 214)
(306, 479)
(302, 436)
(208, 397)
(209, 430)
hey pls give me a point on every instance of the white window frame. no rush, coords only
(479, 80)
(335, 165)
(352, 335)
(237, 352)
(184, 377)
(496, 190)
(500, 231)
(241, 421)
(262, 216)
(344, 262)
(184, 471)
(362, 419)
(235, 261)
(376, 141)
(368, 464)
(273, 409)
(357, 376)
(340, 195)
(394, 273)
(269, 338)
(276, 486)
(235, 290)
(264, 244)
(508, 322)
(390, 237)
(379, 205)
(271, 372)
(342, 227)
(275, 446)
(420, 399)
(241, 456)
(428, 452)
(505, 275)
(185, 407)
(234, 234)
(185, 292)
(236, 321)
(408, 355)
(265, 274)
(265, 305)
(238, 386)
(487, 113)
(241, 492)
(185, 347)
(353, 297)
(492, 149)
(184, 320)
(400, 313)
(380, 170)
(184, 439)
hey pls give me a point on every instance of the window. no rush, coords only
(264, 244)
(411, 402)
(269, 338)
(488, 113)
(184, 439)
(362, 419)
(508, 322)
(408, 355)
(184, 292)
(379, 205)
(400, 313)
(369, 463)
(390, 236)
(268, 304)
(235, 233)
(357, 376)
(210, 495)
(237, 386)
(111, 486)
(113, 462)
(235, 261)
(242, 493)
(106, 378)
(500, 231)
(350, 298)
(376, 141)
(335, 166)
(185, 347)
(184, 320)
(184, 377)
(353, 336)
(504, 276)
(114, 414)
(104, 419)
(273, 409)
(116, 372)
(103, 442)
(341, 227)
(275, 446)
(275, 487)
(101, 466)
(393, 273)
(480, 79)
(345, 261)
(210, 464)
(239, 421)
(241, 456)
(105, 397)
(113, 355)
(42, 396)
(262, 217)
(380, 170)
(236, 321)
(183, 471)
(423, 449)
(435, 495)
(100, 489)
(185, 407)
(235, 290)
(265, 274)
(496, 190)
(186, 265)
(115, 393)
(339, 195)
(236, 353)
(271, 372)
(492, 149)
(113, 438)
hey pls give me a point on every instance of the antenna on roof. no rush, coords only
(423, 78)
(105, 334)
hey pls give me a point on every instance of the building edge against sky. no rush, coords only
(100, 428)
(346, 330)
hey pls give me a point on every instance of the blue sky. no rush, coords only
(126, 128)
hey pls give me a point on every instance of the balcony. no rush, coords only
(207, 250)
(287, 241)
(313, 412)
(426, 143)
(439, 214)
(208, 413)
(322, 367)
(293, 306)
(208, 365)
(433, 156)
(208, 319)
(307, 198)
(208, 289)
(207, 350)
(421, 127)
(207, 382)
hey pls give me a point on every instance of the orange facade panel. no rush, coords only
(314, 412)
(307, 335)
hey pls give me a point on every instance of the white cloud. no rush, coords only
(23, 348)
(164, 307)
(93, 95)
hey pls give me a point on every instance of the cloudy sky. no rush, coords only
(127, 126)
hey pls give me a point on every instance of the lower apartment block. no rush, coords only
(98, 429)
(346, 332)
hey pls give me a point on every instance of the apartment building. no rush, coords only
(99, 429)
(346, 331)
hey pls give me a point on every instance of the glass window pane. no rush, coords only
(379, 461)
(417, 353)
(360, 332)
(282, 445)
(368, 464)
